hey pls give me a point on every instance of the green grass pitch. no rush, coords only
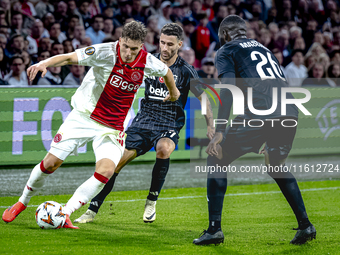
(256, 220)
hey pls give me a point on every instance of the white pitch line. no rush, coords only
(227, 195)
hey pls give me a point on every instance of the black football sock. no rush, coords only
(216, 189)
(291, 191)
(159, 172)
(98, 200)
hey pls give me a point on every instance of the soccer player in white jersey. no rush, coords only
(100, 105)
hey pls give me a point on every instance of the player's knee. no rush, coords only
(52, 163)
(163, 152)
(105, 167)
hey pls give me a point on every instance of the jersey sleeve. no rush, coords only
(155, 67)
(224, 62)
(194, 82)
(97, 55)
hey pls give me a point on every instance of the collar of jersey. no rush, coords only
(158, 55)
(132, 64)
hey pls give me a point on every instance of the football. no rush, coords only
(49, 215)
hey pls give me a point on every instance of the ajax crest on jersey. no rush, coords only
(49, 215)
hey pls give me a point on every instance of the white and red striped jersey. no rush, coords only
(108, 89)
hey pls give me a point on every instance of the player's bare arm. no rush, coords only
(59, 60)
(209, 118)
(171, 85)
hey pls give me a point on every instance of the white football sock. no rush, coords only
(34, 183)
(85, 193)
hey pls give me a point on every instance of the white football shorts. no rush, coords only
(78, 129)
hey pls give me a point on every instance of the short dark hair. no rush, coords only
(56, 43)
(15, 57)
(134, 31)
(232, 20)
(96, 16)
(296, 51)
(174, 30)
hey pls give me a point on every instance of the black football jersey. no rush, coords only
(253, 65)
(158, 115)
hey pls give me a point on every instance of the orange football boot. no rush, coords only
(12, 212)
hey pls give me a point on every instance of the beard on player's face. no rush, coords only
(168, 54)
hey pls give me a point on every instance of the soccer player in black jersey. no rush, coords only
(248, 64)
(158, 123)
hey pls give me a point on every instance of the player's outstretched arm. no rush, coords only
(59, 60)
(171, 85)
(209, 118)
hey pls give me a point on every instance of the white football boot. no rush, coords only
(149, 211)
(87, 217)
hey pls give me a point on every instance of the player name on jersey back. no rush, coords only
(252, 44)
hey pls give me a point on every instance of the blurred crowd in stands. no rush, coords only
(304, 35)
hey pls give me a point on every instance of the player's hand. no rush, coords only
(172, 96)
(214, 147)
(34, 69)
(210, 132)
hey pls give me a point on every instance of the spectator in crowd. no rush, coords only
(196, 8)
(86, 41)
(299, 44)
(75, 77)
(177, 13)
(108, 27)
(334, 73)
(316, 76)
(37, 31)
(6, 7)
(73, 21)
(316, 50)
(73, 10)
(214, 24)
(55, 33)
(45, 44)
(57, 48)
(207, 7)
(3, 41)
(324, 60)
(309, 61)
(137, 11)
(200, 39)
(266, 39)
(17, 75)
(164, 17)
(15, 45)
(189, 25)
(84, 11)
(68, 48)
(117, 34)
(278, 54)
(208, 68)
(274, 31)
(43, 7)
(61, 15)
(16, 24)
(296, 72)
(27, 8)
(94, 8)
(3, 67)
(335, 56)
(27, 59)
(251, 34)
(149, 43)
(124, 12)
(51, 77)
(152, 24)
(79, 34)
(47, 20)
(95, 30)
(188, 54)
